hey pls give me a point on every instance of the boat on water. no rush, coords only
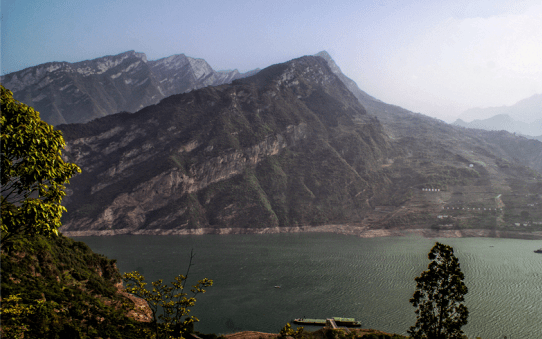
(307, 321)
(538, 250)
(348, 322)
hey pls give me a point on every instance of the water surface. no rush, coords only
(325, 275)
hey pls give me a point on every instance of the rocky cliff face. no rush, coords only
(289, 146)
(78, 92)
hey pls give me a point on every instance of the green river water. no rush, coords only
(325, 275)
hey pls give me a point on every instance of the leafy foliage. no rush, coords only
(13, 309)
(33, 172)
(288, 331)
(54, 287)
(169, 304)
(439, 295)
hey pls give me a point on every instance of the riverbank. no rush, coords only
(347, 229)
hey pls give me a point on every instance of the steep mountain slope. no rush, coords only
(349, 83)
(289, 146)
(78, 92)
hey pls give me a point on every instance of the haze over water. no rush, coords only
(325, 275)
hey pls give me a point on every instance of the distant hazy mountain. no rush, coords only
(527, 110)
(504, 122)
(66, 92)
(420, 134)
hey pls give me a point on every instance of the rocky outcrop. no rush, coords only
(66, 92)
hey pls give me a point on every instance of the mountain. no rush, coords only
(66, 92)
(430, 134)
(504, 122)
(526, 110)
(350, 84)
(433, 149)
(292, 148)
(288, 146)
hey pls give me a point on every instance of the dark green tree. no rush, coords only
(439, 297)
(33, 172)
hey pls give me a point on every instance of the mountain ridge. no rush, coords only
(506, 123)
(66, 92)
(526, 110)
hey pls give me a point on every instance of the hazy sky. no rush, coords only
(433, 57)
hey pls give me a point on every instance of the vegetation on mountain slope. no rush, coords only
(169, 305)
(70, 291)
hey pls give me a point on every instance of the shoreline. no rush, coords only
(362, 232)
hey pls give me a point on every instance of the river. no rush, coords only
(323, 275)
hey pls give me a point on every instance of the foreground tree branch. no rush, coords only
(33, 172)
(169, 304)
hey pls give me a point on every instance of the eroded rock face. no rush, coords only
(131, 207)
(271, 150)
(66, 92)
